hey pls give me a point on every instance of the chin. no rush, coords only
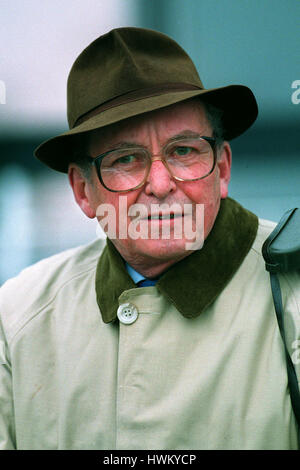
(162, 249)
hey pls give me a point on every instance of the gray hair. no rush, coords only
(80, 155)
(214, 116)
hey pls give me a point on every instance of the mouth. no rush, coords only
(161, 216)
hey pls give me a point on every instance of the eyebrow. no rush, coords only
(124, 144)
(184, 134)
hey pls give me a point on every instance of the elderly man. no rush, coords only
(155, 340)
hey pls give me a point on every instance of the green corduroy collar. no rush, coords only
(200, 277)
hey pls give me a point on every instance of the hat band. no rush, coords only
(135, 96)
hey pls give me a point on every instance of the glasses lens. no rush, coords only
(190, 159)
(122, 170)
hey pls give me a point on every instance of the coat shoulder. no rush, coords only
(39, 283)
(265, 228)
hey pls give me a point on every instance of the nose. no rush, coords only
(159, 182)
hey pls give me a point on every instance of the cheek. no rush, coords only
(123, 202)
(116, 205)
(205, 191)
(100, 195)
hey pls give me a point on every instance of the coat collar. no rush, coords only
(200, 277)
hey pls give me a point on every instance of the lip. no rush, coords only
(162, 214)
(161, 217)
(166, 216)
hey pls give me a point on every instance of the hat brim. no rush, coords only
(236, 101)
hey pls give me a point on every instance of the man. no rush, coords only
(191, 360)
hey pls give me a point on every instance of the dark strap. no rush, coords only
(292, 377)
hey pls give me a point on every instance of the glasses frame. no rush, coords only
(98, 159)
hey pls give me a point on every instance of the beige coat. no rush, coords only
(70, 381)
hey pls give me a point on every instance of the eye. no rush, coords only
(125, 160)
(182, 151)
(117, 160)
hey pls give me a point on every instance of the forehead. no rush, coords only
(163, 123)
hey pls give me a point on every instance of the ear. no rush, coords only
(81, 190)
(224, 165)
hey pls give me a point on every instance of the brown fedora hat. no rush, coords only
(130, 71)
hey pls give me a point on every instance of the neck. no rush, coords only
(150, 266)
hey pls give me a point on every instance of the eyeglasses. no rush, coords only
(127, 169)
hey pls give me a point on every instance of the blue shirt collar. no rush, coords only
(135, 276)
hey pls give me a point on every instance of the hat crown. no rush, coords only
(123, 61)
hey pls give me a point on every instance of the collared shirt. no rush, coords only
(135, 276)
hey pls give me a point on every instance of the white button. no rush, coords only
(127, 313)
